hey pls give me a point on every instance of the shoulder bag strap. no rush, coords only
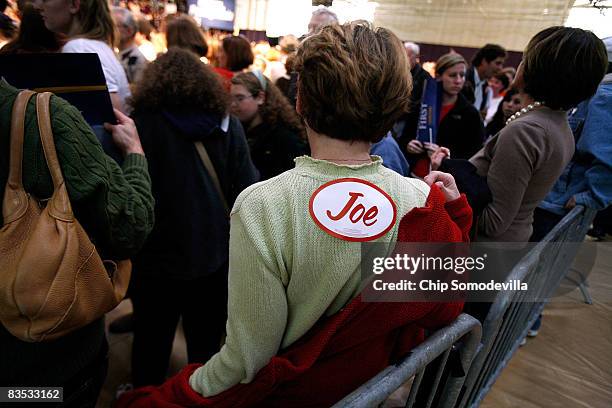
(15, 200)
(60, 202)
(211, 172)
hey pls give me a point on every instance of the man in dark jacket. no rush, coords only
(487, 62)
(419, 76)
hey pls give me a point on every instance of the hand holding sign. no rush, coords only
(125, 134)
(415, 147)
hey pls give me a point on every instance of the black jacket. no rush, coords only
(191, 234)
(469, 87)
(411, 119)
(461, 131)
(273, 148)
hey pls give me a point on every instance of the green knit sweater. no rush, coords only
(114, 204)
(285, 273)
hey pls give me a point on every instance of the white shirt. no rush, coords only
(492, 109)
(116, 81)
(478, 91)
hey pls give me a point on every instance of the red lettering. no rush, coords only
(354, 217)
(369, 215)
(348, 205)
(358, 213)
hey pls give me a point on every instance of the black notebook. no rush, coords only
(77, 78)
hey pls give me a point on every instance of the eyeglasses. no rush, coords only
(239, 98)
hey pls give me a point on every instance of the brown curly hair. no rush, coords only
(276, 107)
(354, 81)
(178, 80)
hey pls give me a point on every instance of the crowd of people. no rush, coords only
(223, 158)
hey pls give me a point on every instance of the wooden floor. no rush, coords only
(569, 364)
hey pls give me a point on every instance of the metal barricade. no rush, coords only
(428, 360)
(509, 319)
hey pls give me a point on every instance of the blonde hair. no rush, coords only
(448, 61)
(96, 21)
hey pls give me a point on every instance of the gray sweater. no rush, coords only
(522, 163)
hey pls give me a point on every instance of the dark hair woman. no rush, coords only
(234, 55)
(182, 269)
(33, 36)
(522, 162)
(498, 85)
(510, 104)
(273, 129)
(183, 32)
(460, 128)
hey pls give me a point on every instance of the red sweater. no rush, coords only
(342, 351)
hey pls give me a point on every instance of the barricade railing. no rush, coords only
(425, 365)
(510, 316)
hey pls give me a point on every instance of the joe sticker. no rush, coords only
(352, 209)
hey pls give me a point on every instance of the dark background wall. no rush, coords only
(431, 52)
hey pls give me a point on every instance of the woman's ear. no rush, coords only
(298, 100)
(74, 6)
(519, 79)
(260, 98)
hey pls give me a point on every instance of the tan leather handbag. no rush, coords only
(52, 280)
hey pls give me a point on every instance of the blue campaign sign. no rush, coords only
(429, 115)
(217, 14)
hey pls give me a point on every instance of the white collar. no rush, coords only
(477, 80)
(225, 123)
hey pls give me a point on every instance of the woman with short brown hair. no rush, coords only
(287, 272)
(295, 264)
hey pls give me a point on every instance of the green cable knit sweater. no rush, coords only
(114, 204)
(285, 273)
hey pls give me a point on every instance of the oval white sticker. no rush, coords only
(352, 209)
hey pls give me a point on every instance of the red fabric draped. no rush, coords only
(342, 351)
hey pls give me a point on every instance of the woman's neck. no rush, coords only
(74, 29)
(527, 99)
(338, 151)
(256, 121)
(448, 99)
